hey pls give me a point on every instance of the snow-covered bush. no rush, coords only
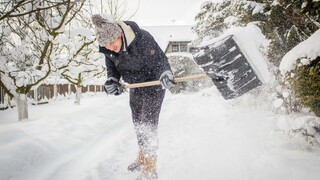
(306, 85)
(301, 128)
(215, 17)
(301, 66)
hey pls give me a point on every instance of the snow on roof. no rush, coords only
(308, 50)
(164, 34)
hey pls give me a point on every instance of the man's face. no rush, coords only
(115, 46)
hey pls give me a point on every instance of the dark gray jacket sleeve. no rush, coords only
(111, 69)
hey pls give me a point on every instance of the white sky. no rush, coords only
(165, 12)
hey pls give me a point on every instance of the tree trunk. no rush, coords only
(35, 94)
(78, 95)
(55, 91)
(22, 106)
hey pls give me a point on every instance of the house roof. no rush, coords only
(164, 34)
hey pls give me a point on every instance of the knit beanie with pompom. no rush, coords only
(106, 31)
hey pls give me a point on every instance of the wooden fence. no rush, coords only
(49, 91)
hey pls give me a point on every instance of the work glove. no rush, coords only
(112, 86)
(166, 80)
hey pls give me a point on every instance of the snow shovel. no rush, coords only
(226, 64)
(176, 80)
(230, 68)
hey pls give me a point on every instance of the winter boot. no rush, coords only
(137, 164)
(149, 170)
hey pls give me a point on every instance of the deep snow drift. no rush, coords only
(202, 136)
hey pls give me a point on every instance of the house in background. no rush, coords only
(174, 41)
(172, 38)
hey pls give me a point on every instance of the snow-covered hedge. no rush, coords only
(301, 66)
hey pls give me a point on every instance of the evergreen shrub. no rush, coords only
(306, 85)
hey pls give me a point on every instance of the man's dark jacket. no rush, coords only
(141, 61)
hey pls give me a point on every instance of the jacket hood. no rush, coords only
(128, 32)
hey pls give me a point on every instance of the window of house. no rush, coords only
(183, 48)
(175, 48)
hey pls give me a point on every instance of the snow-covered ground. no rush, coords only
(202, 136)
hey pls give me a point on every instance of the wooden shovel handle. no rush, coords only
(176, 80)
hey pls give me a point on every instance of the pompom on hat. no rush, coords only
(106, 31)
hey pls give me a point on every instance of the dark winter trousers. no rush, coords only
(145, 105)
